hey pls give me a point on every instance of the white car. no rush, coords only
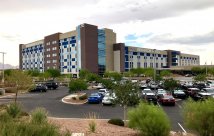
(108, 99)
(103, 91)
(160, 93)
(146, 90)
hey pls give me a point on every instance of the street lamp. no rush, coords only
(154, 66)
(3, 66)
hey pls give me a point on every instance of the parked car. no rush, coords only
(108, 99)
(39, 88)
(95, 98)
(192, 91)
(146, 90)
(150, 98)
(160, 93)
(178, 93)
(103, 91)
(199, 85)
(51, 85)
(201, 96)
(167, 99)
(209, 90)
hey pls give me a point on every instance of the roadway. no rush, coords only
(51, 101)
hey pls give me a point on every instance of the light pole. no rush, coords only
(154, 67)
(3, 67)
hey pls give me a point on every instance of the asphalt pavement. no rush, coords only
(52, 102)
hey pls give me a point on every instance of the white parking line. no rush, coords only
(178, 105)
(182, 128)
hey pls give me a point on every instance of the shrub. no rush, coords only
(199, 116)
(83, 97)
(5, 117)
(10, 90)
(92, 121)
(118, 122)
(14, 110)
(39, 116)
(77, 85)
(150, 120)
(74, 98)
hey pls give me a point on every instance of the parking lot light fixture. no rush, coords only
(3, 67)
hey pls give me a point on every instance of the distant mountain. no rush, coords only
(8, 66)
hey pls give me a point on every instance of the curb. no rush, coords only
(71, 102)
(7, 96)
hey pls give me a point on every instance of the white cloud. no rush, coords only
(29, 20)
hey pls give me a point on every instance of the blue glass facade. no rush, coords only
(101, 51)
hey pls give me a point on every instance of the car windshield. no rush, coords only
(178, 91)
(161, 91)
(168, 96)
(94, 94)
(210, 90)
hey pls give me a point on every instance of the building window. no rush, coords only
(48, 43)
(48, 55)
(48, 49)
(54, 48)
(53, 42)
(48, 61)
(54, 54)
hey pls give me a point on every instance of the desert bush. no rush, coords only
(10, 90)
(118, 122)
(5, 117)
(150, 120)
(14, 110)
(92, 121)
(199, 116)
(39, 116)
(83, 97)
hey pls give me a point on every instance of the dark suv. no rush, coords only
(39, 88)
(51, 85)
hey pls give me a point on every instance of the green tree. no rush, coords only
(199, 116)
(83, 73)
(128, 74)
(149, 72)
(33, 73)
(137, 71)
(116, 76)
(53, 73)
(198, 70)
(150, 120)
(20, 80)
(211, 71)
(7, 72)
(200, 78)
(107, 83)
(77, 85)
(165, 73)
(170, 84)
(92, 77)
(127, 95)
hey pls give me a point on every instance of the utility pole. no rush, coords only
(3, 67)
(206, 68)
(154, 66)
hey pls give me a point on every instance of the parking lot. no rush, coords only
(51, 101)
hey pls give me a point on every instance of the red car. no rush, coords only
(167, 99)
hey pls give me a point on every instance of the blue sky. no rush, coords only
(185, 25)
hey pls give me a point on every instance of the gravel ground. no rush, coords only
(102, 128)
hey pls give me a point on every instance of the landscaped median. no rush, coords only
(76, 98)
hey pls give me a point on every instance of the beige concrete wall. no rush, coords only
(116, 61)
(68, 34)
(33, 44)
(110, 40)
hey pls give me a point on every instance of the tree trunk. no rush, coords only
(16, 94)
(124, 114)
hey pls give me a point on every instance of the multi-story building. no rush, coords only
(96, 50)
(87, 47)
